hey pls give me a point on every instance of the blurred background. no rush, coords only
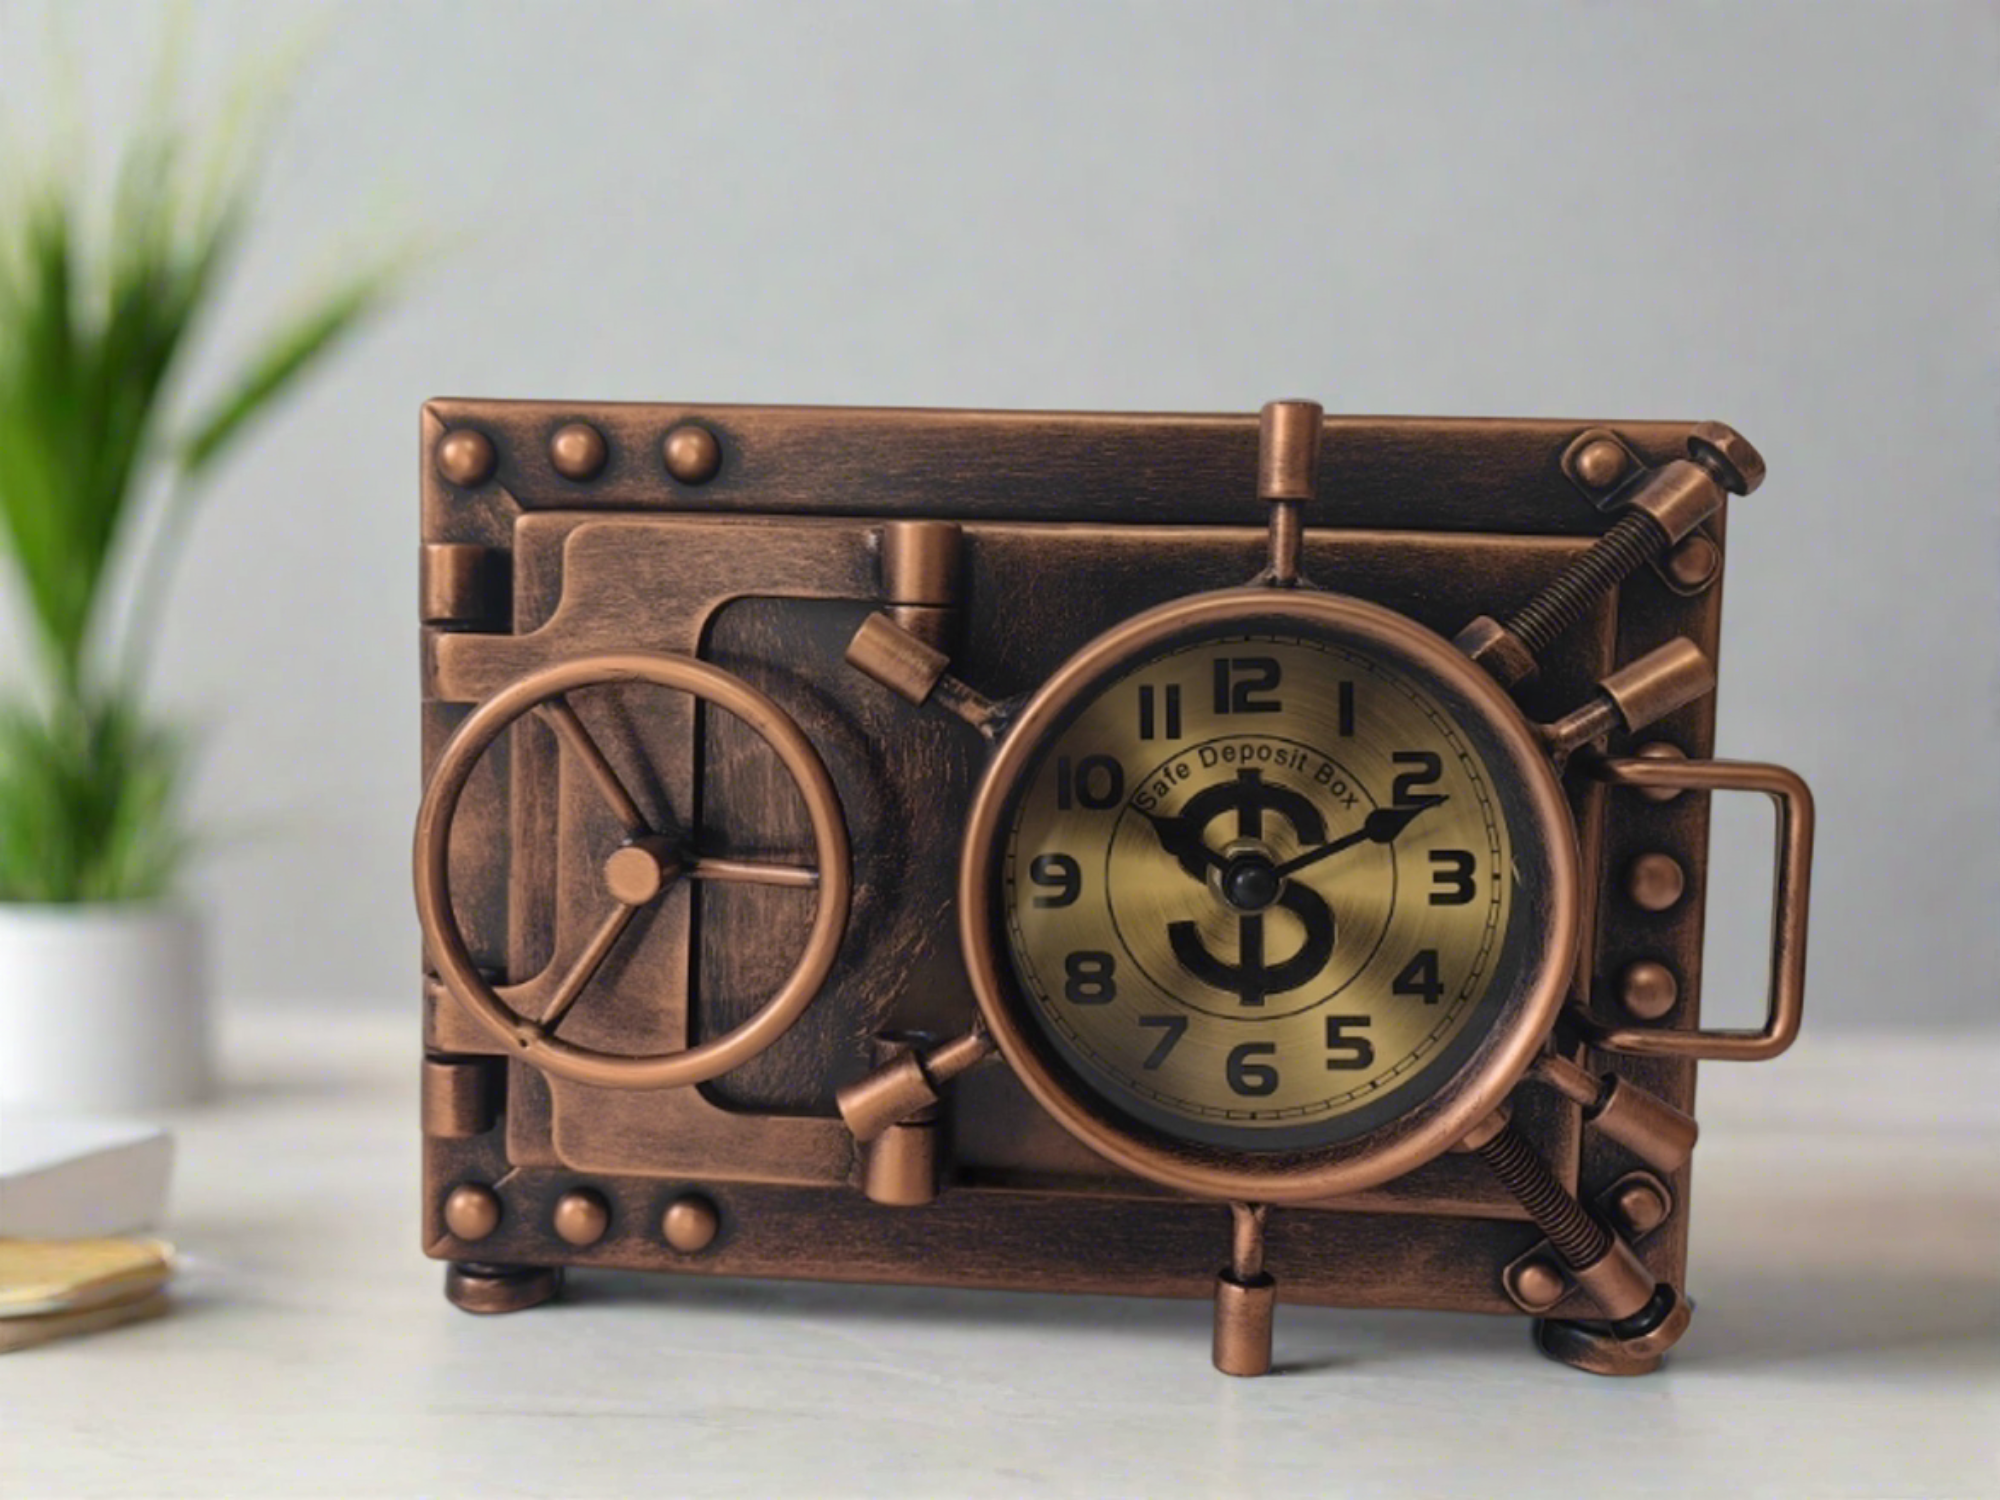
(1778, 215)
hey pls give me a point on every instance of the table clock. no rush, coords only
(1203, 856)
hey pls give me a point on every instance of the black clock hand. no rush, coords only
(1185, 844)
(1380, 827)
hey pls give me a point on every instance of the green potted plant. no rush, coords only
(102, 293)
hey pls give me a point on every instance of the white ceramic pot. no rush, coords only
(102, 1008)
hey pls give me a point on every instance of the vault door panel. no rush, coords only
(905, 777)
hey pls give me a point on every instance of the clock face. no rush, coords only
(1256, 885)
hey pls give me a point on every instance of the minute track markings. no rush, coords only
(1105, 729)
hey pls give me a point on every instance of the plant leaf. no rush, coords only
(289, 352)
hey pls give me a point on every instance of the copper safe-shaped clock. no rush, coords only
(1080, 852)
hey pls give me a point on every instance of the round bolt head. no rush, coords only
(1655, 882)
(690, 1223)
(1720, 444)
(472, 1211)
(1538, 1284)
(581, 1217)
(692, 453)
(1641, 1206)
(1694, 563)
(578, 451)
(1601, 463)
(1660, 750)
(465, 457)
(1648, 990)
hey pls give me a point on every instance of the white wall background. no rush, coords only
(1781, 215)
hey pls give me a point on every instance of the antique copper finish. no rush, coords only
(1655, 881)
(1641, 1204)
(581, 1217)
(534, 1039)
(1246, 1297)
(892, 656)
(461, 1096)
(1660, 750)
(1695, 563)
(692, 454)
(1288, 443)
(1003, 544)
(1639, 693)
(462, 584)
(1648, 990)
(472, 1211)
(1601, 1350)
(1600, 463)
(1430, 1129)
(1537, 1284)
(578, 451)
(1790, 897)
(899, 1168)
(1623, 1111)
(689, 1225)
(906, 1085)
(477, 1288)
(466, 458)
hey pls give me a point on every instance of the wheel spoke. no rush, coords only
(594, 954)
(752, 872)
(569, 729)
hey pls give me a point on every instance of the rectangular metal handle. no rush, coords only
(1790, 894)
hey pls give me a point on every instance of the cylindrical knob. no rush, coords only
(1637, 694)
(1288, 438)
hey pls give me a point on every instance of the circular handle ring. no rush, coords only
(528, 1040)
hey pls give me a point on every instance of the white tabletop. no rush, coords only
(1846, 1263)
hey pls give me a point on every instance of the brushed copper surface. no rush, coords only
(759, 541)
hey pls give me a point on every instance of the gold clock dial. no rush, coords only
(1256, 885)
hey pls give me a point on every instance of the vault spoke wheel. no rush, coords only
(636, 874)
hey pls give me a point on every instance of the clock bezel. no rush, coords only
(1548, 888)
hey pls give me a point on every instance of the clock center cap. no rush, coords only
(1250, 882)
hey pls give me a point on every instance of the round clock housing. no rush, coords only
(1270, 894)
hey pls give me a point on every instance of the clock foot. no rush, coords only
(1632, 1346)
(1246, 1297)
(1243, 1316)
(475, 1287)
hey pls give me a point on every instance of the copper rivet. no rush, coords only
(1641, 1207)
(689, 1224)
(1537, 1283)
(1648, 990)
(472, 1211)
(1694, 562)
(465, 457)
(1660, 750)
(1655, 882)
(578, 451)
(581, 1217)
(692, 453)
(1601, 464)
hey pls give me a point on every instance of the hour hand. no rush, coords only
(1184, 842)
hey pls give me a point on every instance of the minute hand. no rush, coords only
(1379, 827)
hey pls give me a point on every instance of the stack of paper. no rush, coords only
(51, 1288)
(69, 1177)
